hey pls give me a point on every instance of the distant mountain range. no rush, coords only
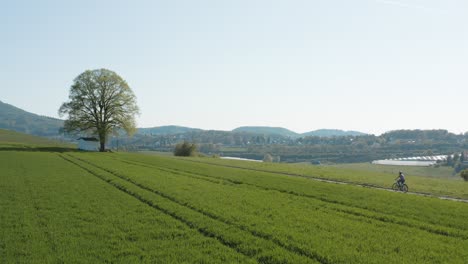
(16, 119)
(261, 130)
(288, 133)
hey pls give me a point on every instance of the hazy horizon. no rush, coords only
(298, 132)
(369, 65)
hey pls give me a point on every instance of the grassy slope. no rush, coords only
(12, 139)
(13, 118)
(449, 186)
(440, 172)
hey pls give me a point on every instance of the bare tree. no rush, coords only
(101, 102)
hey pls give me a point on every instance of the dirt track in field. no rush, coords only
(343, 182)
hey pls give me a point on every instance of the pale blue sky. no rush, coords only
(367, 65)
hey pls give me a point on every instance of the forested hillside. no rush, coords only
(165, 130)
(332, 133)
(16, 119)
(279, 131)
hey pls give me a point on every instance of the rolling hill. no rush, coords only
(13, 118)
(332, 133)
(267, 130)
(10, 138)
(288, 133)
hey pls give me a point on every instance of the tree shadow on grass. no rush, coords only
(40, 149)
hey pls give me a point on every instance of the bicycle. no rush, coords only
(400, 187)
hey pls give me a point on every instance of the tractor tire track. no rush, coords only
(382, 217)
(259, 235)
(155, 206)
(40, 217)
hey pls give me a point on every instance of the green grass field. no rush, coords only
(76, 207)
(361, 174)
(10, 140)
(437, 172)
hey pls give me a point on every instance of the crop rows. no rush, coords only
(54, 212)
(251, 244)
(427, 210)
(307, 225)
(329, 203)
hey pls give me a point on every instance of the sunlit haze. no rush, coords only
(365, 65)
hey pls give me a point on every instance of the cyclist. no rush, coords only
(401, 179)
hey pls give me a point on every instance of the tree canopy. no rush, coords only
(100, 103)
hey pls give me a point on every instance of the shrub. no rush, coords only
(185, 149)
(267, 158)
(464, 174)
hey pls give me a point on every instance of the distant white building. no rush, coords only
(88, 144)
(412, 161)
(404, 163)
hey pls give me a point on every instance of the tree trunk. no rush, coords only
(103, 146)
(102, 141)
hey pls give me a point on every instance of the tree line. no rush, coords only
(394, 144)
